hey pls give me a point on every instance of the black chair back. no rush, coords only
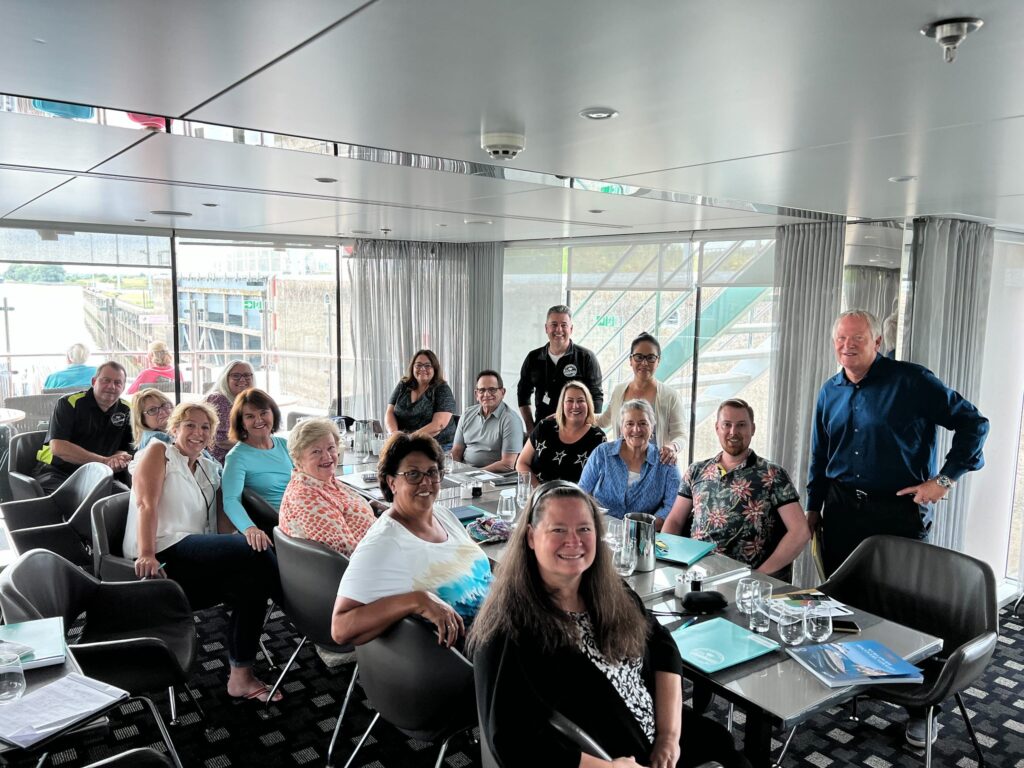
(259, 510)
(310, 573)
(38, 408)
(109, 517)
(21, 463)
(928, 588)
(87, 485)
(422, 688)
(41, 585)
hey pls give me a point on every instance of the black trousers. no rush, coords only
(849, 517)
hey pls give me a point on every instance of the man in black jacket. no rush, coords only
(547, 369)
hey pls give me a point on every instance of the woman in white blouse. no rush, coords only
(172, 533)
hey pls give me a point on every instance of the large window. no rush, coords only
(708, 301)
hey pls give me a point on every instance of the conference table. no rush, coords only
(772, 690)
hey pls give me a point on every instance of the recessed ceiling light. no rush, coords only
(140, 220)
(38, 40)
(361, 232)
(385, 230)
(902, 179)
(210, 205)
(599, 113)
(170, 213)
(442, 225)
(325, 179)
(477, 221)
(595, 210)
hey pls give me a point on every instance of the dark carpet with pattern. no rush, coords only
(297, 730)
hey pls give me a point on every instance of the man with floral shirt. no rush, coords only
(743, 503)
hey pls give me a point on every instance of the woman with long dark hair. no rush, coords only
(422, 402)
(561, 632)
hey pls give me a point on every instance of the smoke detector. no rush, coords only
(503, 146)
(949, 33)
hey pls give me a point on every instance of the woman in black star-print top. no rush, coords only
(559, 447)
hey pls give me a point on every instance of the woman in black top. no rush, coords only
(561, 632)
(559, 447)
(423, 402)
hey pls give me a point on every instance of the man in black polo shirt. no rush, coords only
(547, 369)
(93, 425)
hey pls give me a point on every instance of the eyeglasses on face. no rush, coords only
(154, 410)
(415, 477)
(638, 358)
(487, 390)
(422, 367)
(237, 377)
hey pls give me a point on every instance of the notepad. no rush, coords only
(48, 710)
(680, 549)
(718, 644)
(468, 512)
(45, 638)
(857, 662)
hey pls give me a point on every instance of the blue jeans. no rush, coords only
(223, 568)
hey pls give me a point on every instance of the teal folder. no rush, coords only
(44, 636)
(679, 549)
(719, 644)
(468, 512)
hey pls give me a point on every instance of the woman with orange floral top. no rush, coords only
(315, 505)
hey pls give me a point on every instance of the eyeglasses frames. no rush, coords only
(415, 477)
(237, 377)
(487, 390)
(638, 358)
(422, 367)
(156, 409)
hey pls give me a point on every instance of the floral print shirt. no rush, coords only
(738, 510)
(326, 512)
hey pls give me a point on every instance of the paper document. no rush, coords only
(50, 709)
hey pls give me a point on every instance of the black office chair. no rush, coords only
(138, 635)
(109, 516)
(423, 689)
(62, 521)
(307, 569)
(931, 589)
(21, 461)
(259, 510)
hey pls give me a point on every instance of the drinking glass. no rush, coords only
(818, 623)
(613, 536)
(745, 594)
(791, 624)
(449, 463)
(523, 488)
(358, 441)
(12, 678)
(625, 557)
(760, 616)
(507, 506)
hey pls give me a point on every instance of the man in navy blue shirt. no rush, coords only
(873, 449)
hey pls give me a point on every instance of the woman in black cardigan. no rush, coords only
(560, 631)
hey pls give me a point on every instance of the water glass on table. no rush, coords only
(791, 624)
(818, 623)
(507, 506)
(613, 535)
(12, 678)
(523, 488)
(745, 589)
(449, 463)
(760, 617)
(625, 557)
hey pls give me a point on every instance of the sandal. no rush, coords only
(261, 694)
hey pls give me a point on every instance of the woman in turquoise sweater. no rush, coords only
(259, 461)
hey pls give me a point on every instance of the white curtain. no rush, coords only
(411, 295)
(872, 288)
(952, 273)
(808, 280)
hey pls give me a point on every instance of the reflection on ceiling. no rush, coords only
(334, 119)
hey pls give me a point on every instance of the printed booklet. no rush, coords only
(857, 662)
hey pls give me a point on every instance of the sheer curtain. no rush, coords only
(952, 274)
(809, 281)
(409, 295)
(872, 288)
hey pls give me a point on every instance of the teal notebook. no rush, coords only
(718, 644)
(468, 512)
(44, 638)
(679, 549)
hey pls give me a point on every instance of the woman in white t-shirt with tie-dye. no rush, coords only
(416, 559)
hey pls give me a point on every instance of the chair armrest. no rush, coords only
(25, 487)
(31, 513)
(115, 568)
(60, 538)
(136, 664)
(965, 665)
(134, 604)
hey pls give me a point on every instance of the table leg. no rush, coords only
(757, 739)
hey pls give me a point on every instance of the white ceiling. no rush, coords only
(800, 104)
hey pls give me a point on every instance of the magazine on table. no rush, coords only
(806, 598)
(857, 662)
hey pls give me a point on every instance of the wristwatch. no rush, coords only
(945, 482)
